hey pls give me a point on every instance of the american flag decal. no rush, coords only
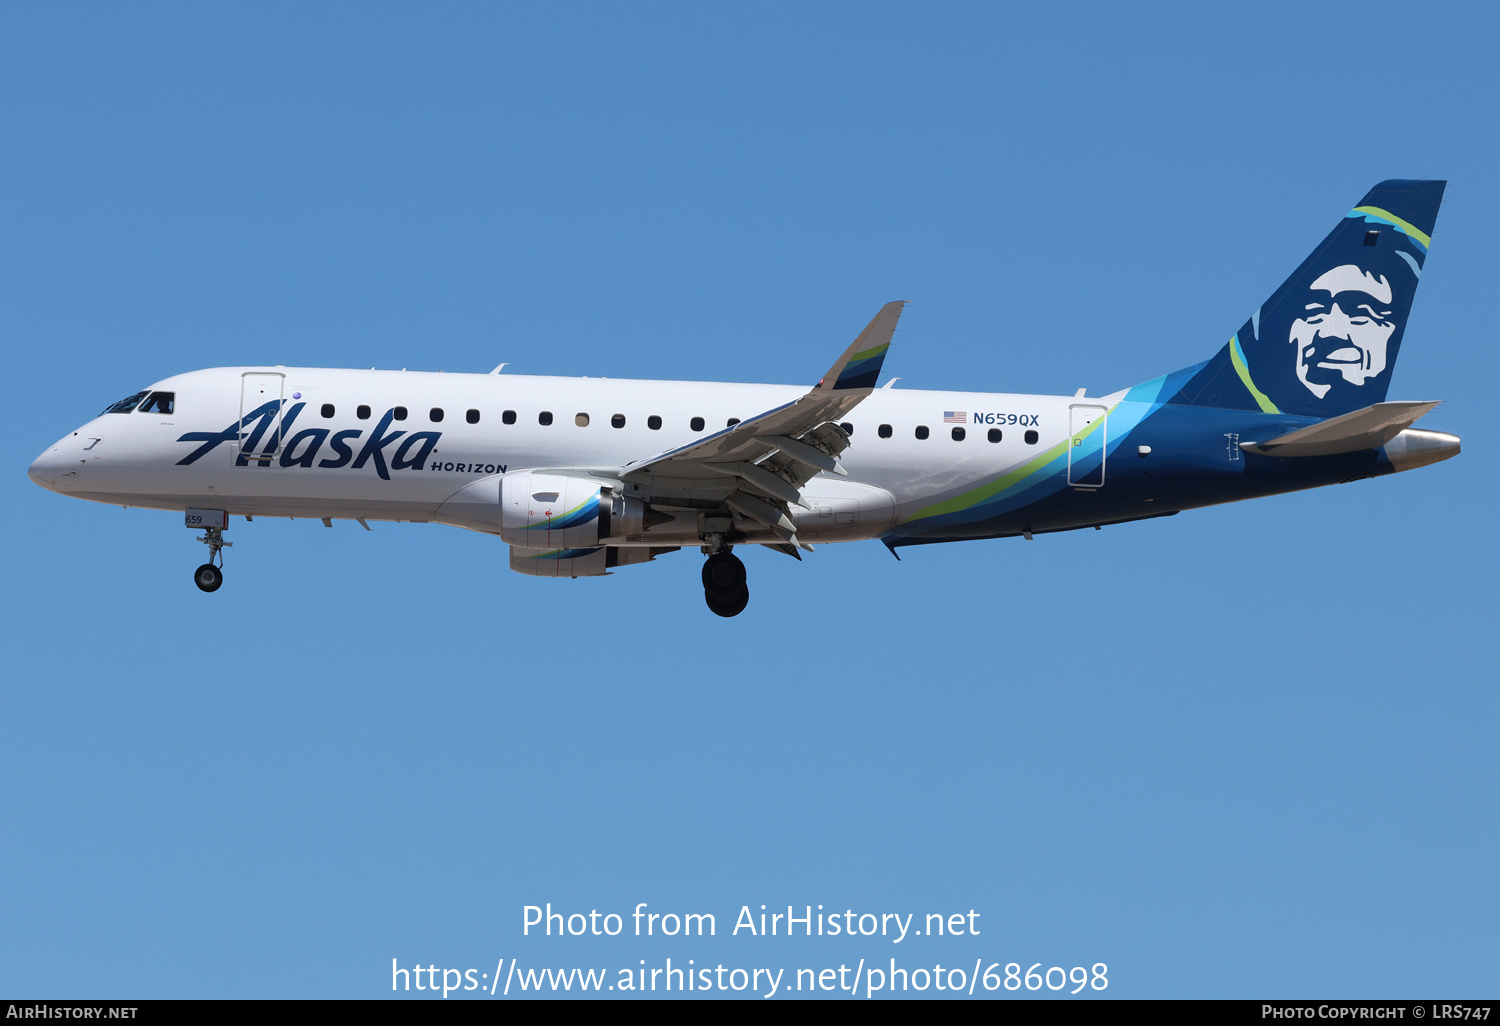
(955, 417)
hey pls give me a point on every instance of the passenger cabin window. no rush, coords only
(544, 418)
(399, 413)
(1031, 437)
(884, 431)
(653, 422)
(848, 428)
(159, 402)
(994, 434)
(472, 416)
(508, 417)
(126, 405)
(618, 420)
(327, 411)
(581, 419)
(732, 422)
(362, 412)
(958, 434)
(696, 423)
(922, 431)
(435, 414)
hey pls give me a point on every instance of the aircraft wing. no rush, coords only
(772, 455)
(1369, 428)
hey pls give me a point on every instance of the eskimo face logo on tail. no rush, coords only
(1343, 330)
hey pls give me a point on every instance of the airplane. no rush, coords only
(581, 476)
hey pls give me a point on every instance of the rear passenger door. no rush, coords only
(1086, 426)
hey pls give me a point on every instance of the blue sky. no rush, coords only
(1244, 751)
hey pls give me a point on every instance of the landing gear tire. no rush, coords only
(732, 604)
(208, 577)
(724, 578)
(724, 587)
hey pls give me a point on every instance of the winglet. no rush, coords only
(859, 367)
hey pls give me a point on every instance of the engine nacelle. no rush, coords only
(548, 512)
(565, 562)
(594, 561)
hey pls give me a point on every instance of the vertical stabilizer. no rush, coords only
(1326, 341)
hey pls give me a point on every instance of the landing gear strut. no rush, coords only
(724, 587)
(210, 575)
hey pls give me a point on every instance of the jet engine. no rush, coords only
(551, 512)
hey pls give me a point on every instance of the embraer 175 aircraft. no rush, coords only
(581, 475)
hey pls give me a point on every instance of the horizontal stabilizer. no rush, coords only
(1369, 428)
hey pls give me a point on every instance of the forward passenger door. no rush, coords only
(259, 433)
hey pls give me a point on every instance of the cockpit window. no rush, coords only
(126, 405)
(159, 402)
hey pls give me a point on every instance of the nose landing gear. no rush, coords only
(210, 575)
(724, 587)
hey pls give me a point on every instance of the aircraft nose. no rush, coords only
(43, 469)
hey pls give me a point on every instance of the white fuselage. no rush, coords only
(137, 458)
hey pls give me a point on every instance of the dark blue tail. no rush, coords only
(1326, 341)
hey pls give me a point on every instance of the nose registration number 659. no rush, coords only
(200, 518)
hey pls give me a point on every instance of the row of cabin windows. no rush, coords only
(400, 413)
(164, 402)
(959, 434)
(653, 422)
(543, 418)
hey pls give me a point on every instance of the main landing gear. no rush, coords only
(724, 587)
(210, 575)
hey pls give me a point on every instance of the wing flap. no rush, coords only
(760, 479)
(803, 452)
(771, 515)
